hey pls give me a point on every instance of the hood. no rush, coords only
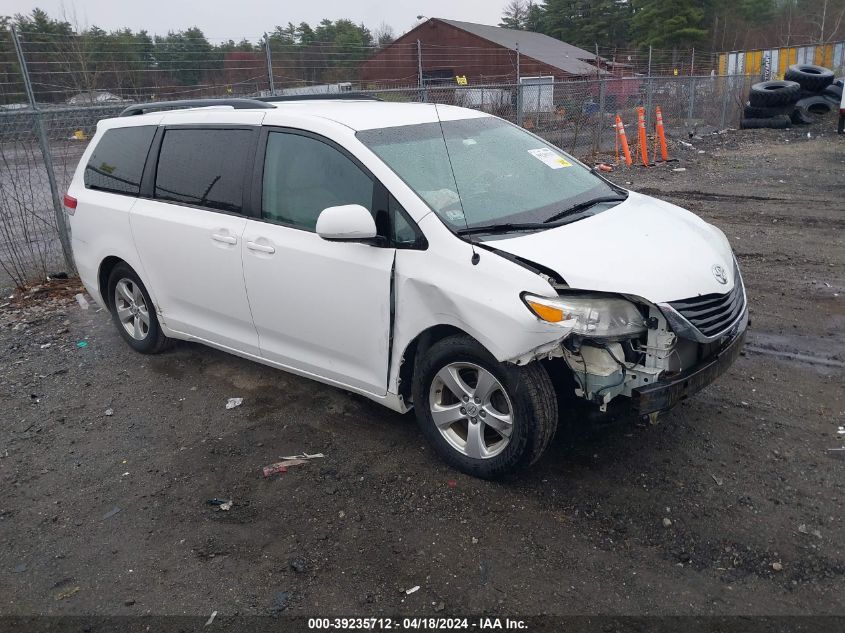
(643, 247)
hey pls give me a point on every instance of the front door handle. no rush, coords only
(226, 239)
(261, 248)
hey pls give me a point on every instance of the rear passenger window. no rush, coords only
(203, 167)
(303, 176)
(118, 160)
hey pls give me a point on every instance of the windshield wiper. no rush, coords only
(507, 227)
(513, 227)
(583, 205)
(620, 190)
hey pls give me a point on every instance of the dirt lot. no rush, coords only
(730, 505)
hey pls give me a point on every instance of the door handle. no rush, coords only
(261, 248)
(226, 239)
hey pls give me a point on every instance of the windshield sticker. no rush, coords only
(550, 158)
(454, 215)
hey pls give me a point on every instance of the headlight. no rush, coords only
(589, 315)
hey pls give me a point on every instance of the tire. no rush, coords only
(780, 122)
(768, 94)
(841, 127)
(815, 105)
(833, 93)
(525, 392)
(807, 93)
(755, 112)
(810, 77)
(839, 82)
(129, 302)
(800, 116)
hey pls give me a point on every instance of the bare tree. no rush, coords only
(810, 21)
(383, 35)
(826, 20)
(515, 15)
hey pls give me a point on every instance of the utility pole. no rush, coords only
(602, 102)
(423, 96)
(518, 87)
(269, 65)
(692, 86)
(650, 91)
(44, 146)
(598, 62)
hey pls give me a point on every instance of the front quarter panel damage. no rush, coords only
(441, 286)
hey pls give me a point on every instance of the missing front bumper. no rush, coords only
(665, 394)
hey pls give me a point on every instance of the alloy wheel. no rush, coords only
(471, 409)
(131, 308)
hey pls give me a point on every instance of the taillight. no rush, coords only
(70, 204)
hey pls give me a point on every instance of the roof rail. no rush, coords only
(237, 104)
(322, 96)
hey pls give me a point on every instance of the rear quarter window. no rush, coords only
(118, 160)
(204, 167)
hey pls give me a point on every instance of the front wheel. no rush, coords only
(483, 417)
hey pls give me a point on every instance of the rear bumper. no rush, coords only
(665, 394)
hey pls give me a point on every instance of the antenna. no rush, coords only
(475, 256)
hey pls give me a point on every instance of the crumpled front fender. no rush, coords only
(441, 286)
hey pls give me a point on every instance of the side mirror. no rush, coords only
(346, 223)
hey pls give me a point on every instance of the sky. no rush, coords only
(222, 19)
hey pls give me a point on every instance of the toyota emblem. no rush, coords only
(719, 274)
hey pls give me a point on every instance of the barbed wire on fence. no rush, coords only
(69, 68)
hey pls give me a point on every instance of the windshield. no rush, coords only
(493, 172)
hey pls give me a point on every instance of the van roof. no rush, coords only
(367, 115)
(353, 113)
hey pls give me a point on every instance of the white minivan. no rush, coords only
(421, 255)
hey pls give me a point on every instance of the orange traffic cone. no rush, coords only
(661, 135)
(623, 140)
(642, 148)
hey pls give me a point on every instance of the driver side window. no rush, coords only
(303, 176)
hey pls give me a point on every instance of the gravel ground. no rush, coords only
(730, 505)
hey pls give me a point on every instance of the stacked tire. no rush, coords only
(770, 105)
(820, 94)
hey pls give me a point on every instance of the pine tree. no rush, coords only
(561, 19)
(758, 11)
(668, 23)
(534, 18)
(605, 22)
(586, 23)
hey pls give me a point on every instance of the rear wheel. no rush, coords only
(133, 312)
(483, 417)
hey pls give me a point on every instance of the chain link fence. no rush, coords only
(39, 149)
(579, 116)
